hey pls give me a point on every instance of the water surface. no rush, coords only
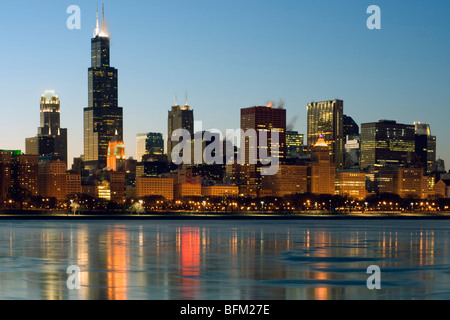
(232, 260)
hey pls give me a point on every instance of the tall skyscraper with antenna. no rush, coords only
(179, 118)
(103, 117)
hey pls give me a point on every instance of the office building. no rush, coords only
(152, 186)
(326, 118)
(179, 118)
(352, 152)
(103, 190)
(220, 191)
(150, 145)
(24, 175)
(53, 179)
(73, 184)
(117, 184)
(351, 128)
(116, 158)
(260, 118)
(408, 182)
(442, 189)
(294, 144)
(351, 183)
(51, 139)
(323, 170)
(425, 147)
(18, 176)
(103, 118)
(387, 143)
(5, 175)
(290, 179)
(183, 190)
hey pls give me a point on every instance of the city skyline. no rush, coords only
(253, 78)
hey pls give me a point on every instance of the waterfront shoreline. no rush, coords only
(64, 215)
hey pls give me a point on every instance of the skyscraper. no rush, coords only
(425, 147)
(116, 158)
(323, 170)
(261, 118)
(51, 139)
(351, 128)
(103, 117)
(326, 118)
(294, 144)
(387, 143)
(179, 118)
(151, 144)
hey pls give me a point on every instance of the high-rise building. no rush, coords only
(352, 151)
(425, 147)
(53, 179)
(149, 144)
(5, 176)
(294, 144)
(323, 170)
(351, 128)
(51, 139)
(261, 118)
(387, 143)
(116, 158)
(179, 118)
(24, 175)
(103, 117)
(326, 118)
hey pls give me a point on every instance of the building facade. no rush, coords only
(53, 179)
(149, 144)
(116, 158)
(387, 143)
(260, 118)
(323, 170)
(103, 118)
(151, 186)
(178, 118)
(290, 179)
(351, 128)
(326, 118)
(294, 144)
(352, 184)
(425, 147)
(220, 191)
(51, 139)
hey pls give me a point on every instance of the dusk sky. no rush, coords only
(228, 55)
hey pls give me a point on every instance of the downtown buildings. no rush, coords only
(381, 151)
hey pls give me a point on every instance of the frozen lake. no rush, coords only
(232, 260)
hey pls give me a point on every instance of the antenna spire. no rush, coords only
(186, 104)
(103, 12)
(97, 28)
(175, 101)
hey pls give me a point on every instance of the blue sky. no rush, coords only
(228, 55)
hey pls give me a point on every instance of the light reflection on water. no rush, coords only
(233, 260)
